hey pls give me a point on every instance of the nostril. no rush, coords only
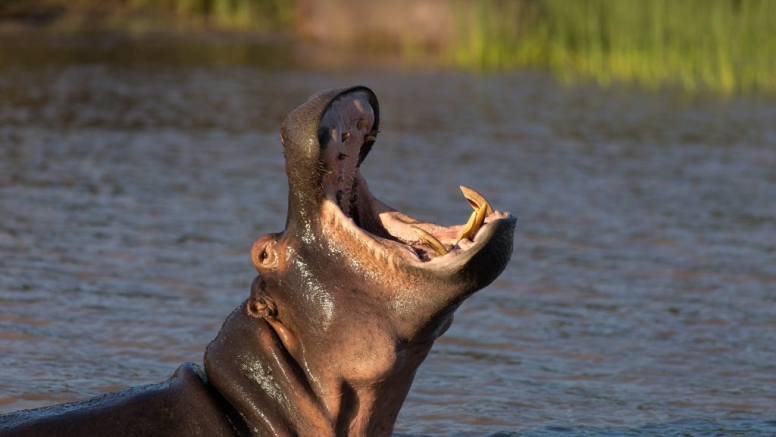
(267, 257)
(263, 253)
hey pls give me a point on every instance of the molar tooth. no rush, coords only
(431, 240)
(369, 138)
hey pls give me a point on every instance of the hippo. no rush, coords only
(347, 304)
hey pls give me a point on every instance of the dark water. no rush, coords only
(640, 300)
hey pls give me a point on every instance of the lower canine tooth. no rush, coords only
(467, 230)
(476, 200)
(475, 223)
(431, 240)
(482, 209)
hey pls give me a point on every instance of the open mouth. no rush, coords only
(346, 133)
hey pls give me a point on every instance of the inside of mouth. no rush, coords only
(346, 134)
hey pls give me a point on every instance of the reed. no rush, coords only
(257, 15)
(720, 45)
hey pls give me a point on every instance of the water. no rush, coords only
(641, 296)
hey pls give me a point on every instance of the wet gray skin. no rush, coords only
(348, 302)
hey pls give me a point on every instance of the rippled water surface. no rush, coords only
(641, 296)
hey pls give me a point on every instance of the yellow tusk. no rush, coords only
(475, 222)
(481, 214)
(482, 209)
(431, 240)
(467, 230)
(476, 200)
(361, 123)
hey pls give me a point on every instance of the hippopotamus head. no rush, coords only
(352, 293)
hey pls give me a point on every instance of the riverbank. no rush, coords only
(722, 46)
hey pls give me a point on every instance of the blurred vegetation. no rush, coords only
(721, 45)
(154, 15)
(260, 15)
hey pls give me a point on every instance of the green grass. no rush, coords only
(721, 45)
(726, 46)
(260, 15)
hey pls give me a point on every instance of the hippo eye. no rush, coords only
(263, 257)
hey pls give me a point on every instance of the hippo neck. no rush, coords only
(276, 394)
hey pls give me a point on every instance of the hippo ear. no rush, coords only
(304, 139)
